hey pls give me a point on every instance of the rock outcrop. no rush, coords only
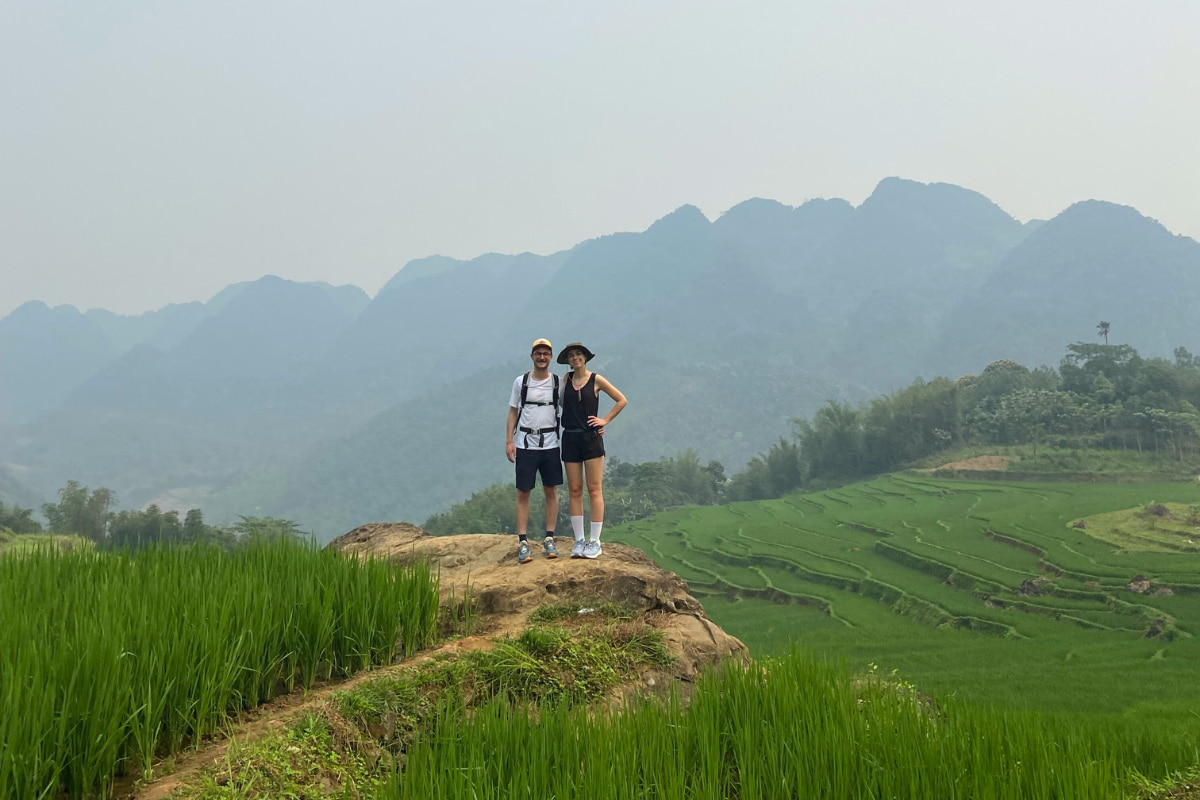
(505, 592)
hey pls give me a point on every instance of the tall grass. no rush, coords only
(795, 728)
(107, 660)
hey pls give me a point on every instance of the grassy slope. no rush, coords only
(520, 720)
(892, 571)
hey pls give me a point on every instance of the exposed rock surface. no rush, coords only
(506, 592)
(1139, 585)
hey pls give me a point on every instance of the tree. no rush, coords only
(18, 520)
(255, 529)
(1120, 363)
(80, 511)
(194, 529)
(831, 445)
(1103, 328)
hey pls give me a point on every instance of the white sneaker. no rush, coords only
(592, 550)
(577, 550)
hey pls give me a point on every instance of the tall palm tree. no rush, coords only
(1103, 328)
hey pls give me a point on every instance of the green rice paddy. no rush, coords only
(108, 661)
(979, 590)
(792, 728)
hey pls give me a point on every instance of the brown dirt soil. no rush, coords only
(504, 594)
(989, 463)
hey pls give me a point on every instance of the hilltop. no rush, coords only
(618, 599)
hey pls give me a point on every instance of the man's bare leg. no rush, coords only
(551, 508)
(523, 556)
(522, 511)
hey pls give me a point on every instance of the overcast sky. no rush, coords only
(154, 152)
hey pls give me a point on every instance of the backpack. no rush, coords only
(541, 432)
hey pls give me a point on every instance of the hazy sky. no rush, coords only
(154, 152)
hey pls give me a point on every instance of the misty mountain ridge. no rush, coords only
(322, 404)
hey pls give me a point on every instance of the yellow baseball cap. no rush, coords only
(541, 343)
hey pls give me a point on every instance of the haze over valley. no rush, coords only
(318, 403)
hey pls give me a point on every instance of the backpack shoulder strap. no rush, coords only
(524, 389)
(554, 401)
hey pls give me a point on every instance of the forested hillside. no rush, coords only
(311, 402)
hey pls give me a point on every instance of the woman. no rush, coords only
(582, 445)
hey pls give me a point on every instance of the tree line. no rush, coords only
(91, 514)
(1101, 396)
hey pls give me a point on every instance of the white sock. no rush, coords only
(596, 526)
(577, 527)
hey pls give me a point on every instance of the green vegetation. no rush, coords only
(631, 491)
(18, 520)
(973, 588)
(506, 723)
(91, 515)
(1156, 527)
(1106, 413)
(1103, 397)
(109, 660)
(310, 760)
(796, 727)
(14, 543)
(569, 655)
(349, 747)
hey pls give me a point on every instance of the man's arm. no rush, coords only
(510, 449)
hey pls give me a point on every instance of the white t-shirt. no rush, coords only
(536, 417)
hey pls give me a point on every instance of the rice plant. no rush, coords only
(109, 660)
(793, 728)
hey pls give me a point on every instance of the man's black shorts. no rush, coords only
(531, 462)
(581, 446)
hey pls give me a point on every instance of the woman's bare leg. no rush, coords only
(595, 485)
(575, 488)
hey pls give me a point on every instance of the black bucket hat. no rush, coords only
(588, 355)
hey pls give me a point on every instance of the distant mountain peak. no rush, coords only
(756, 213)
(758, 205)
(1096, 221)
(28, 309)
(684, 219)
(1104, 211)
(902, 190)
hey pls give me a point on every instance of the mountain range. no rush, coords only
(321, 404)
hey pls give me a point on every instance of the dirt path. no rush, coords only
(280, 712)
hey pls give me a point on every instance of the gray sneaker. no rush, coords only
(577, 550)
(523, 556)
(592, 550)
(548, 546)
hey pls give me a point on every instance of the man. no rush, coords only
(531, 442)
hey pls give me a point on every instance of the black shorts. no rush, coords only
(531, 462)
(581, 446)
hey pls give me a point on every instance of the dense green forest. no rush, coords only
(1102, 398)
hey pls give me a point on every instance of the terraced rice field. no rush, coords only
(979, 589)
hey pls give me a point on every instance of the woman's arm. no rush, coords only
(618, 399)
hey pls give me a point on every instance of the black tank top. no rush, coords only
(579, 404)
